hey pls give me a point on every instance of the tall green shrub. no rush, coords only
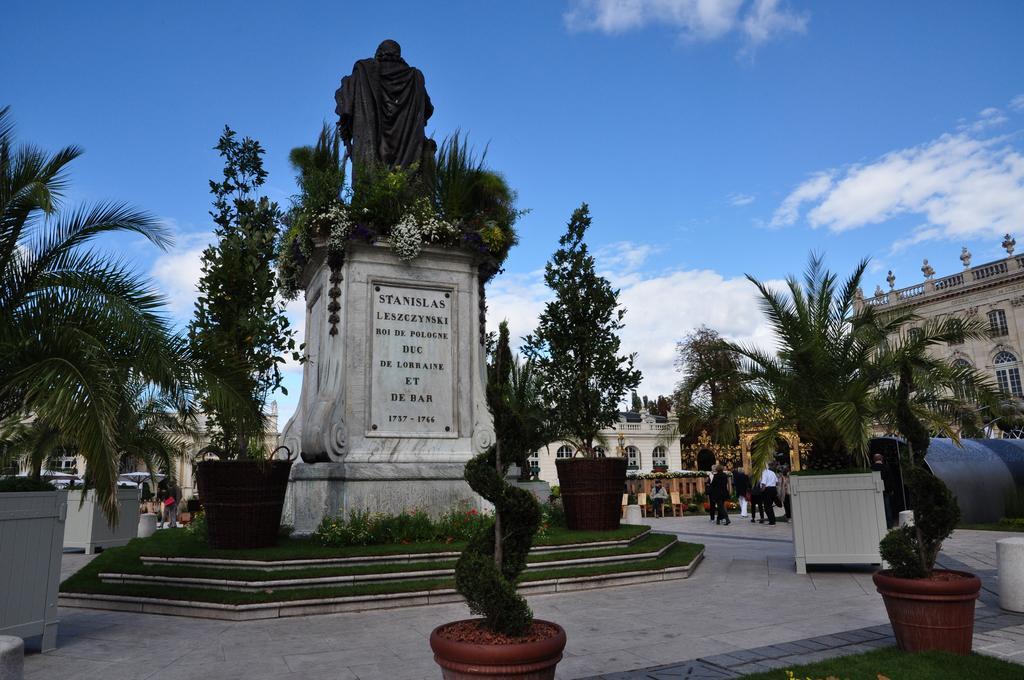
(239, 324)
(486, 572)
(576, 344)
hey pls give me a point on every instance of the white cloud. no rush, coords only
(740, 199)
(766, 20)
(919, 235)
(1017, 103)
(987, 118)
(661, 310)
(811, 189)
(623, 256)
(758, 21)
(177, 271)
(964, 186)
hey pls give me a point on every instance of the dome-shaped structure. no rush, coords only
(982, 473)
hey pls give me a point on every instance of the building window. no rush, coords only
(957, 324)
(997, 323)
(1008, 374)
(915, 334)
(660, 456)
(564, 452)
(599, 451)
(960, 389)
(632, 457)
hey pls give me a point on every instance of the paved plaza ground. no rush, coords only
(744, 609)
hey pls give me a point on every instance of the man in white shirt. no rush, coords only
(769, 487)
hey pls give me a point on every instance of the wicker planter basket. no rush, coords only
(242, 500)
(592, 492)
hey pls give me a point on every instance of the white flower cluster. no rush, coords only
(434, 230)
(341, 227)
(406, 237)
(413, 230)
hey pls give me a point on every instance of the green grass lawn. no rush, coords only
(897, 665)
(129, 563)
(126, 560)
(185, 544)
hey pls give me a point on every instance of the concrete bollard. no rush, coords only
(12, 657)
(633, 514)
(1010, 563)
(147, 524)
(906, 518)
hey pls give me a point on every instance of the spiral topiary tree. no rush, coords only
(486, 572)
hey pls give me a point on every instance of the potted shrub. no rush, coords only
(239, 331)
(576, 349)
(929, 608)
(507, 642)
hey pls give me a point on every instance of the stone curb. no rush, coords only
(333, 605)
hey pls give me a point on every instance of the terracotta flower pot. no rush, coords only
(591, 491)
(935, 613)
(522, 660)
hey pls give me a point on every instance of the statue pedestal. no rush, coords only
(392, 403)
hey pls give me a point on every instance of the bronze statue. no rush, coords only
(383, 108)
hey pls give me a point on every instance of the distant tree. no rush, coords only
(710, 378)
(239, 323)
(635, 403)
(576, 344)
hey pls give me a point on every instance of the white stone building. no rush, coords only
(992, 292)
(645, 439)
(75, 465)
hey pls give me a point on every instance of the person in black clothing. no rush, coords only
(756, 502)
(878, 465)
(741, 485)
(718, 494)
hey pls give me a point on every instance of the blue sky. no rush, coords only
(710, 139)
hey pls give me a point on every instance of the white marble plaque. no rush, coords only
(412, 369)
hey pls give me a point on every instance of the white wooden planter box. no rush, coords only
(837, 519)
(87, 527)
(31, 542)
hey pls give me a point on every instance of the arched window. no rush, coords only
(660, 456)
(564, 452)
(959, 389)
(599, 451)
(1008, 374)
(632, 457)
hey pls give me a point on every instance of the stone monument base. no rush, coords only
(337, 489)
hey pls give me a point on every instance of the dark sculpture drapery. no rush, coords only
(383, 108)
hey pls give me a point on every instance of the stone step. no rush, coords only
(353, 579)
(407, 558)
(331, 605)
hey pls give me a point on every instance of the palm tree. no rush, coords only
(74, 323)
(840, 372)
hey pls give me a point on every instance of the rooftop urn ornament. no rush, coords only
(965, 257)
(1008, 243)
(891, 280)
(927, 269)
(383, 108)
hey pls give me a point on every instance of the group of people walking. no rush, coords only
(770, 491)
